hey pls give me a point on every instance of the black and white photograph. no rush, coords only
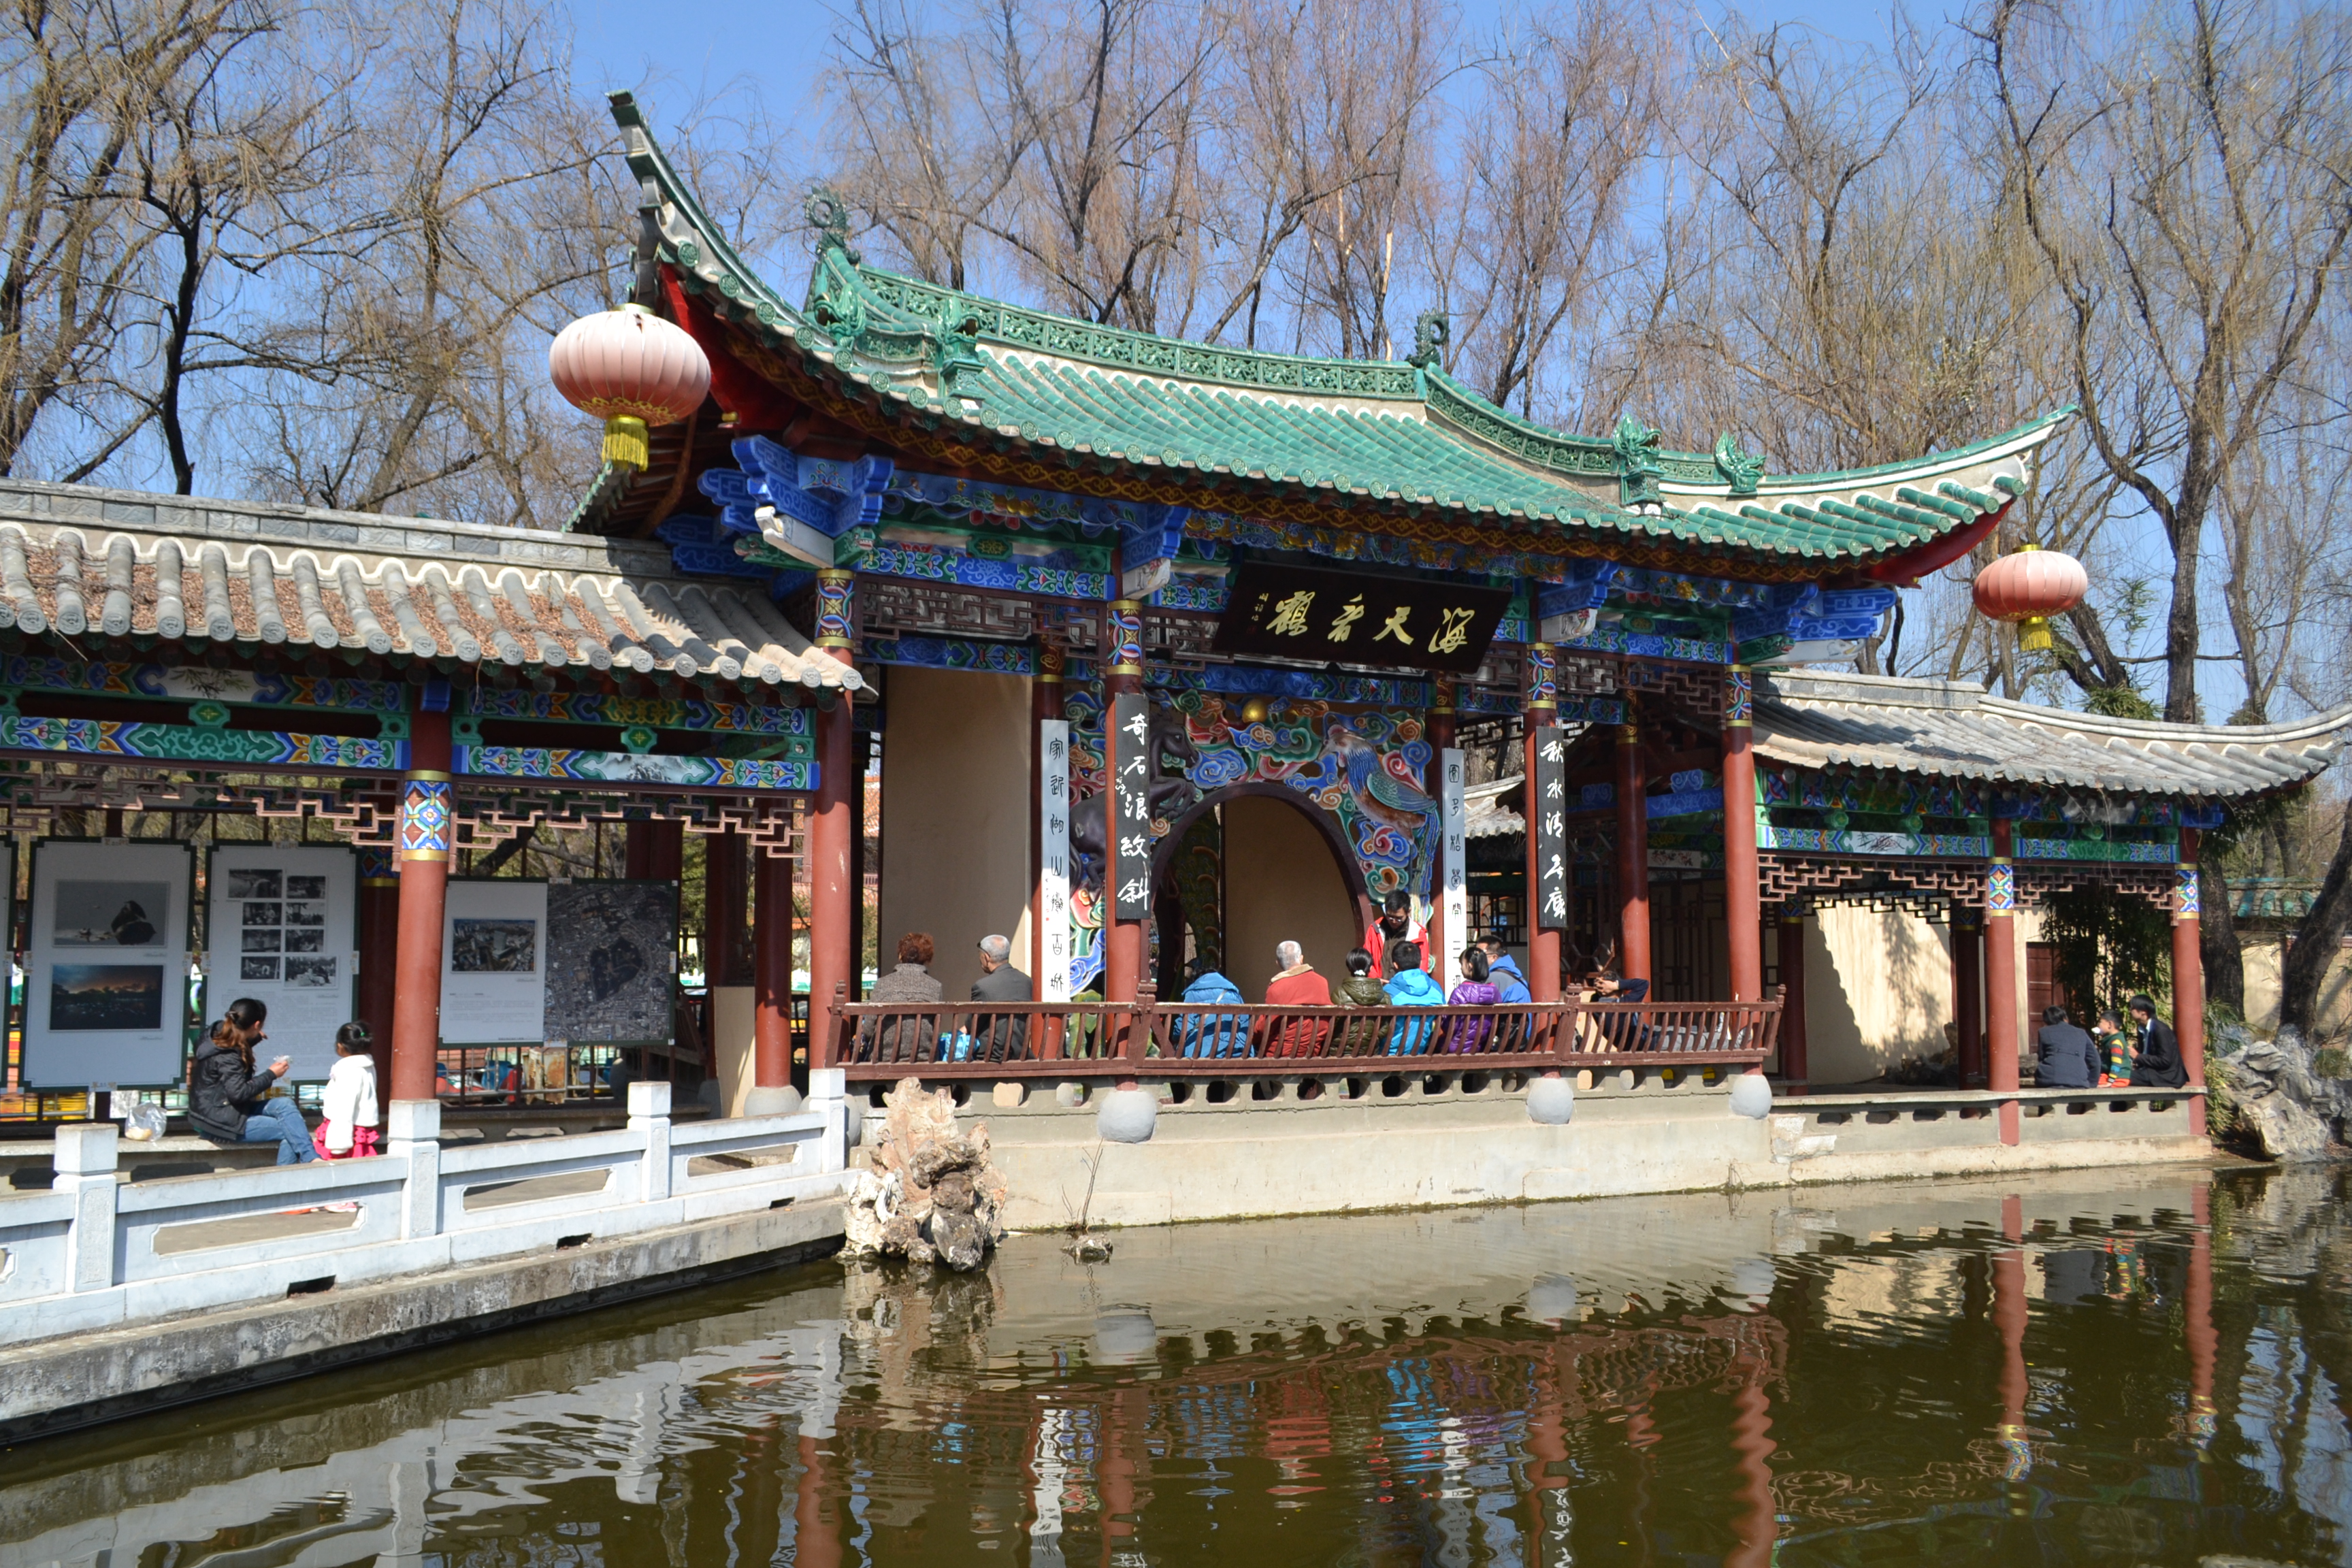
(299, 940)
(254, 884)
(250, 968)
(106, 996)
(311, 973)
(301, 886)
(110, 915)
(306, 913)
(494, 946)
(262, 941)
(265, 914)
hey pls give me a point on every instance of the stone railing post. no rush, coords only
(649, 1115)
(828, 1096)
(414, 1135)
(84, 1162)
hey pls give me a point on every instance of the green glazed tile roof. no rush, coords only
(945, 366)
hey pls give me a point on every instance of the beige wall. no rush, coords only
(2264, 954)
(1281, 885)
(1878, 988)
(955, 814)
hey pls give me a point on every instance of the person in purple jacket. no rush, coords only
(1475, 991)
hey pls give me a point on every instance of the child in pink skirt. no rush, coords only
(349, 1129)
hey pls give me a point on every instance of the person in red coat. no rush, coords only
(1298, 985)
(1395, 923)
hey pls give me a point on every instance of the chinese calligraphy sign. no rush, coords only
(1547, 816)
(1131, 847)
(1344, 617)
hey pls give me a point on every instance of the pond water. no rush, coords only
(2146, 1369)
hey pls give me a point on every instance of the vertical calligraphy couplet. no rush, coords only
(1053, 861)
(1547, 820)
(1131, 850)
(1453, 882)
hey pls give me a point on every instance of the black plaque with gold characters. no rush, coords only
(1349, 617)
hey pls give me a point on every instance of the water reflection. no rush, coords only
(2095, 1370)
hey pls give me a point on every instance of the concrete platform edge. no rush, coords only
(48, 1386)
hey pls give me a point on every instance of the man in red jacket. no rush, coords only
(1395, 924)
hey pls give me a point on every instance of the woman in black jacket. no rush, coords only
(229, 1098)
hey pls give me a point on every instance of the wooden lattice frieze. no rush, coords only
(2039, 881)
(889, 605)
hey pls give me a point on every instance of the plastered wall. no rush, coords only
(1878, 988)
(955, 814)
(1281, 885)
(2265, 954)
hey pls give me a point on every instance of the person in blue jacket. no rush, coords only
(1503, 973)
(1411, 986)
(1214, 1034)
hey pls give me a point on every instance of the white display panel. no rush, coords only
(494, 962)
(282, 927)
(106, 963)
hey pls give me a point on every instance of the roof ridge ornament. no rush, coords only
(1637, 456)
(1743, 470)
(829, 216)
(1431, 332)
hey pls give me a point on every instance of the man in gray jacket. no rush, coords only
(2067, 1058)
(1007, 1034)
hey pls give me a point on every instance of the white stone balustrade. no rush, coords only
(96, 1251)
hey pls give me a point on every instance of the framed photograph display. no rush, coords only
(611, 980)
(494, 962)
(282, 926)
(106, 962)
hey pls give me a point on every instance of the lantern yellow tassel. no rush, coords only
(2033, 634)
(627, 443)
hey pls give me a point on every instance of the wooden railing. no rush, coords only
(875, 1041)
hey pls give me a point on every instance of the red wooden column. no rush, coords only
(1437, 728)
(1540, 708)
(379, 952)
(427, 829)
(2188, 975)
(656, 851)
(772, 978)
(1968, 993)
(1794, 1069)
(1743, 903)
(833, 880)
(1632, 851)
(2000, 976)
(1123, 941)
(726, 877)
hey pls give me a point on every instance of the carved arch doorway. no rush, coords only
(1246, 867)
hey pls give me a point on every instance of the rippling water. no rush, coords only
(2093, 1370)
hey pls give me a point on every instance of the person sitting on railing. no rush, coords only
(912, 982)
(229, 1097)
(1394, 924)
(1474, 990)
(1622, 1031)
(1411, 986)
(1298, 985)
(2064, 1055)
(1503, 973)
(1213, 1032)
(1007, 1034)
(1357, 988)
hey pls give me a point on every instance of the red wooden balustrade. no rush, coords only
(873, 1041)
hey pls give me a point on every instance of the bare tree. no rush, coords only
(2189, 188)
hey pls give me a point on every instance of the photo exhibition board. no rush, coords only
(494, 962)
(106, 963)
(282, 927)
(612, 979)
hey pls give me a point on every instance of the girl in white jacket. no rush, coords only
(349, 1129)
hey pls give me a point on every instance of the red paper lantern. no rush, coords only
(2027, 588)
(630, 369)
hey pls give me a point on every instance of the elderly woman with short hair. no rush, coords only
(912, 982)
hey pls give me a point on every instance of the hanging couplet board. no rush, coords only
(281, 923)
(1346, 617)
(1053, 861)
(494, 962)
(1548, 818)
(1130, 872)
(1453, 882)
(106, 967)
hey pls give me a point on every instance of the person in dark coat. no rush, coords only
(228, 1097)
(903, 1039)
(2068, 1057)
(2159, 1065)
(1008, 1034)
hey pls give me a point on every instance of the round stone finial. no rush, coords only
(1751, 1096)
(1127, 1116)
(1551, 1101)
